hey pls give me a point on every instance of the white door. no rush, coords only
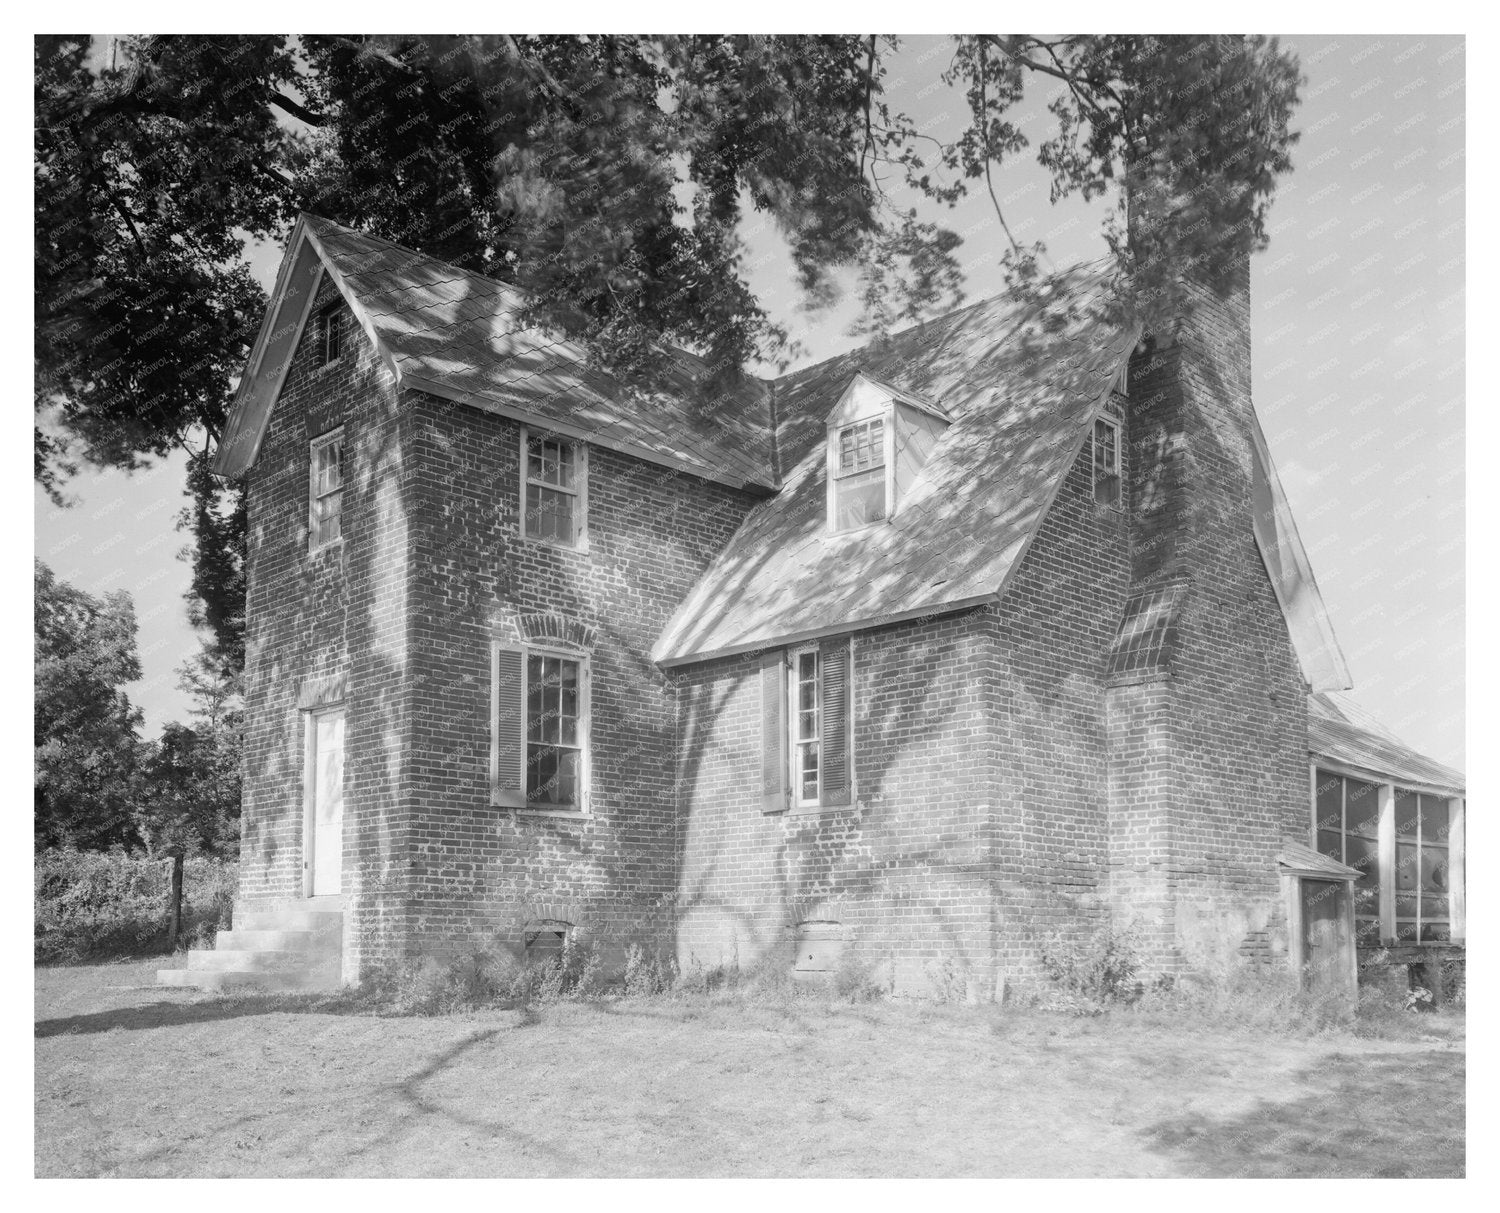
(327, 833)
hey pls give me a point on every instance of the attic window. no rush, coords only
(554, 508)
(328, 335)
(1107, 462)
(859, 479)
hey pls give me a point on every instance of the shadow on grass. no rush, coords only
(1398, 1115)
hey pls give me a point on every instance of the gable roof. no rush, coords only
(1022, 384)
(457, 334)
(1340, 730)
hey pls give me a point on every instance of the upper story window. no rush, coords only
(555, 490)
(859, 479)
(328, 334)
(1107, 461)
(326, 490)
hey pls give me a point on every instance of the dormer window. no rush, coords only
(859, 475)
(879, 438)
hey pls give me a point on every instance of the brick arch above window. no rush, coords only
(543, 626)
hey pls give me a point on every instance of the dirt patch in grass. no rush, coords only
(132, 1080)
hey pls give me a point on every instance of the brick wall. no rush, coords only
(477, 873)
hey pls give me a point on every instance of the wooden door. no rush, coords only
(326, 836)
(1325, 935)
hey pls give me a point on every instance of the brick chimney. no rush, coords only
(1205, 701)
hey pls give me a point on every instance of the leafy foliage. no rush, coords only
(1097, 970)
(93, 905)
(608, 176)
(87, 779)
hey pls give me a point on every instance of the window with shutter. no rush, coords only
(809, 761)
(539, 729)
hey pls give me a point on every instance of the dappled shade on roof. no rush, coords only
(1021, 382)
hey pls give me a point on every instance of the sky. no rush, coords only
(1358, 348)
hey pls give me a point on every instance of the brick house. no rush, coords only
(997, 628)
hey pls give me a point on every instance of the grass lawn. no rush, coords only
(133, 1080)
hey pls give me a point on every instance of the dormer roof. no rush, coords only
(865, 396)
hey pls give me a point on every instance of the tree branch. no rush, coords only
(281, 101)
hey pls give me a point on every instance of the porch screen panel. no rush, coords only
(1422, 905)
(1348, 829)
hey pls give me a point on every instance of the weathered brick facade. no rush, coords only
(1007, 785)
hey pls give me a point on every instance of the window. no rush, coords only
(554, 733)
(328, 334)
(326, 495)
(807, 752)
(555, 476)
(539, 729)
(1348, 828)
(1107, 461)
(1421, 868)
(805, 711)
(859, 475)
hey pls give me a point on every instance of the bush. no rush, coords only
(1097, 971)
(478, 978)
(90, 905)
(646, 976)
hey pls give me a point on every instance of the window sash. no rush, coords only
(327, 488)
(556, 712)
(805, 716)
(1106, 440)
(861, 448)
(552, 480)
(329, 335)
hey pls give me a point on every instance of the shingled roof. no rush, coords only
(1340, 730)
(460, 335)
(1022, 383)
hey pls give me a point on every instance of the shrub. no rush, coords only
(479, 977)
(949, 978)
(648, 975)
(1096, 971)
(854, 980)
(90, 905)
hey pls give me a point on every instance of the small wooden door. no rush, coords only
(326, 824)
(1325, 934)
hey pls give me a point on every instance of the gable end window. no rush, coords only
(554, 488)
(539, 729)
(807, 728)
(1107, 462)
(326, 490)
(328, 334)
(858, 468)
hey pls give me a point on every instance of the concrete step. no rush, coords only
(232, 959)
(322, 977)
(289, 920)
(273, 941)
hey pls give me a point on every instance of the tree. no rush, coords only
(192, 772)
(607, 176)
(87, 748)
(1189, 133)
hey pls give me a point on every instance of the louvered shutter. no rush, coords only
(837, 747)
(773, 760)
(508, 726)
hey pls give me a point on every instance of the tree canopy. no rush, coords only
(608, 176)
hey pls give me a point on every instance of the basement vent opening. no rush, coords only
(545, 941)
